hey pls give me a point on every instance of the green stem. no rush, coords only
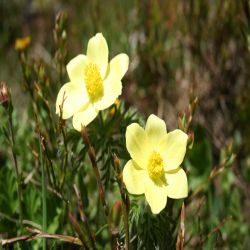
(18, 177)
(44, 201)
(92, 156)
(65, 160)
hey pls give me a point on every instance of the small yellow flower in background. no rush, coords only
(94, 83)
(117, 105)
(22, 43)
(154, 169)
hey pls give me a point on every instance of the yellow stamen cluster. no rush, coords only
(155, 166)
(93, 82)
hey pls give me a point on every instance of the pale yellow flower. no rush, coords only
(154, 169)
(94, 83)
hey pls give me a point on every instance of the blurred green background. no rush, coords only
(178, 50)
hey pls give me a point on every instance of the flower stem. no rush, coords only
(44, 201)
(18, 177)
(125, 199)
(84, 218)
(92, 156)
(65, 159)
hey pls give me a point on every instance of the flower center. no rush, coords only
(155, 166)
(93, 82)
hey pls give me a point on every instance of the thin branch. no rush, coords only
(92, 156)
(79, 231)
(217, 228)
(125, 199)
(83, 216)
(44, 189)
(36, 234)
(181, 234)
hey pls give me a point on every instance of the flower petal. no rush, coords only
(71, 97)
(133, 178)
(75, 68)
(84, 117)
(118, 66)
(177, 185)
(137, 145)
(173, 148)
(155, 129)
(156, 195)
(112, 89)
(97, 52)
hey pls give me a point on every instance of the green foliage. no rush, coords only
(147, 229)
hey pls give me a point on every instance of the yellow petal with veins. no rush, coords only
(133, 178)
(112, 89)
(173, 149)
(137, 145)
(156, 195)
(75, 68)
(177, 185)
(155, 129)
(84, 117)
(118, 66)
(97, 52)
(70, 99)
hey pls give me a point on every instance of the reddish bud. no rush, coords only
(116, 213)
(4, 94)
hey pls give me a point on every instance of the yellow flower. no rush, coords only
(117, 105)
(94, 83)
(22, 43)
(154, 169)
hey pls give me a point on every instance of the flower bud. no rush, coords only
(116, 213)
(4, 94)
(115, 106)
